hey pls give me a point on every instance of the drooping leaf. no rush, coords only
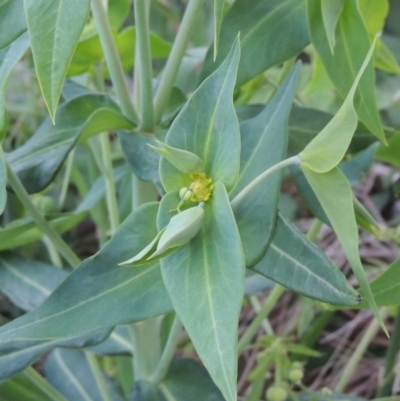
(334, 192)
(218, 14)
(29, 385)
(8, 58)
(71, 373)
(118, 343)
(12, 21)
(99, 284)
(54, 29)
(386, 288)
(352, 44)
(262, 42)
(331, 10)
(38, 160)
(327, 149)
(28, 282)
(185, 379)
(207, 126)
(264, 142)
(205, 280)
(299, 265)
(385, 59)
(3, 181)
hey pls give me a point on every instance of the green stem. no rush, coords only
(98, 375)
(255, 303)
(111, 198)
(53, 254)
(358, 353)
(168, 352)
(112, 59)
(67, 176)
(312, 234)
(271, 301)
(253, 184)
(145, 69)
(41, 222)
(390, 359)
(175, 58)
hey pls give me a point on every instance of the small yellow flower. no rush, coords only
(201, 187)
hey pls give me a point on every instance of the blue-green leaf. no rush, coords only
(12, 21)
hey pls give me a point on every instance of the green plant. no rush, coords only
(195, 139)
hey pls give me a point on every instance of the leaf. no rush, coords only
(54, 30)
(3, 181)
(218, 15)
(385, 60)
(334, 193)
(118, 11)
(71, 373)
(29, 385)
(38, 160)
(186, 162)
(352, 44)
(386, 288)
(264, 143)
(374, 13)
(331, 10)
(186, 379)
(12, 21)
(118, 343)
(296, 263)
(320, 396)
(262, 42)
(205, 280)
(98, 284)
(8, 58)
(207, 126)
(327, 149)
(28, 282)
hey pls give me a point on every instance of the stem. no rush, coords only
(112, 59)
(41, 222)
(98, 375)
(168, 352)
(53, 254)
(257, 307)
(271, 301)
(312, 234)
(111, 198)
(390, 359)
(362, 346)
(253, 184)
(144, 61)
(174, 60)
(67, 176)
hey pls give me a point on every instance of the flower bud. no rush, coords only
(276, 393)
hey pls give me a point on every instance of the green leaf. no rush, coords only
(218, 15)
(185, 379)
(262, 42)
(320, 396)
(385, 60)
(327, 149)
(390, 152)
(3, 181)
(331, 10)
(98, 284)
(8, 58)
(71, 373)
(118, 343)
(207, 126)
(334, 193)
(264, 142)
(205, 280)
(38, 160)
(29, 385)
(27, 283)
(299, 265)
(186, 162)
(118, 11)
(352, 44)
(54, 30)
(374, 13)
(386, 288)
(12, 21)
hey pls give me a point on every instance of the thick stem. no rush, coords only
(144, 62)
(112, 59)
(111, 198)
(175, 58)
(271, 301)
(362, 346)
(390, 359)
(41, 222)
(168, 352)
(258, 180)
